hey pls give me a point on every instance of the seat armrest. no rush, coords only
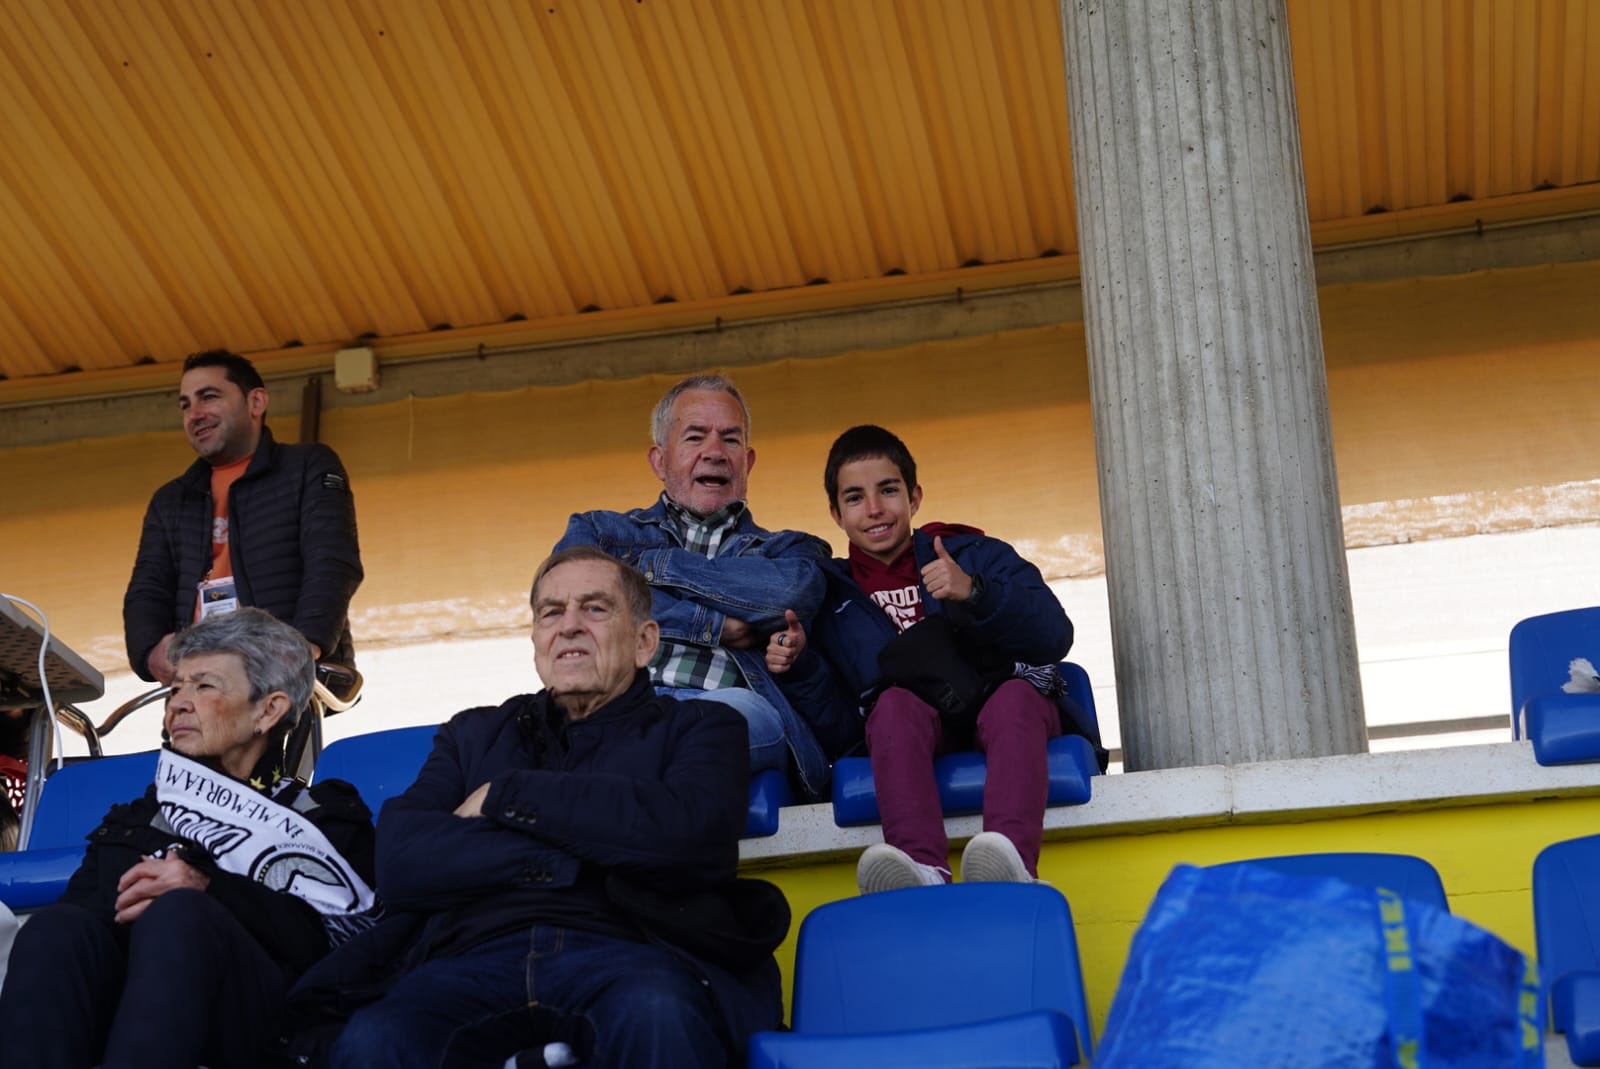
(769, 792)
(1575, 1010)
(1042, 1039)
(1564, 728)
(33, 878)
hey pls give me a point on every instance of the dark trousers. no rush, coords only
(619, 1004)
(184, 985)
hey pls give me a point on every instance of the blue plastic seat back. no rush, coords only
(1071, 763)
(1070, 768)
(1079, 689)
(379, 764)
(75, 799)
(1566, 907)
(77, 796)
(1410, 877)
(1542, 647)
(938, 956)
(382, 764)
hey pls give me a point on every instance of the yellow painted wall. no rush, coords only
(1467, 383)
(1484, 855)
(1470, 384)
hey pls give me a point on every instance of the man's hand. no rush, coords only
(738, 635)
(472, 805)
(158, 664)
(943, 576)
(785, 646)
(149, 880)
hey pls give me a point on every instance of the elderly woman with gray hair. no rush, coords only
(199, 903)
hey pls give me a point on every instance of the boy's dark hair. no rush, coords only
(241, 372)
(859, 443)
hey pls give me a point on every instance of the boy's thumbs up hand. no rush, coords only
(943, 576)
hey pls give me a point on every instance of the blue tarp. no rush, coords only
(1241, 965)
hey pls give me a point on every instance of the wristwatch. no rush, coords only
(977, 590)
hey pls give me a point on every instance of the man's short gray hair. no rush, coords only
(635, 590)
(275, 655)
(661, 418)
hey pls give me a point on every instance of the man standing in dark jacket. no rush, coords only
(251, 522)
(562, 872)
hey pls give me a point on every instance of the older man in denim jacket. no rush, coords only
(732, 598)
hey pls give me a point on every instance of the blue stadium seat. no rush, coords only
(769, 792)
(1412, 878)
(964, 975)
(960, 776)
(1566, 922)
(74, 799)
(1564, 728)
(381, 764)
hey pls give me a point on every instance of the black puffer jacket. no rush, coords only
(292, 539)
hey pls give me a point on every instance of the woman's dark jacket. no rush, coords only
(287, 927)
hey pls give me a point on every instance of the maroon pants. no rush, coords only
(904, 735)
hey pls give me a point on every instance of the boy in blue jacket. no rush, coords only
(894, 577)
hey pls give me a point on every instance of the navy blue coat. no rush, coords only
(647, 787)
(1016, 613)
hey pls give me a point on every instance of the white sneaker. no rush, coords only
(888, 868)
(992, 858)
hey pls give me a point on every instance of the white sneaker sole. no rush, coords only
(884, 868)
(991, 858)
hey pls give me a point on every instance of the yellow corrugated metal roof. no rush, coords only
(182, 174)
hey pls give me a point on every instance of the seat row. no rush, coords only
(976, 974)
(871, 969)
(381, 764)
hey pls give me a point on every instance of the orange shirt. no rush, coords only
(222, 479)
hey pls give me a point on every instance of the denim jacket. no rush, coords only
(755, 576)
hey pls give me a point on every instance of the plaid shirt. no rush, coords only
(682, 664)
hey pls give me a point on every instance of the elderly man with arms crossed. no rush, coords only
(731, 598)
(563, 868)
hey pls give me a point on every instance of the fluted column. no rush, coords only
(1230, 603)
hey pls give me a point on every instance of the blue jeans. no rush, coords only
(768, 748)
(617, 1003)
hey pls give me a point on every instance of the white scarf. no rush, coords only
(248, 833)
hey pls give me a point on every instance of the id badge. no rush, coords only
(218, 596)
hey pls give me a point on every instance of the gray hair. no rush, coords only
(635, 590)
(661, 418)
(275, 655)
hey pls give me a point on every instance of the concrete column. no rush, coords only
(1230, 603)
